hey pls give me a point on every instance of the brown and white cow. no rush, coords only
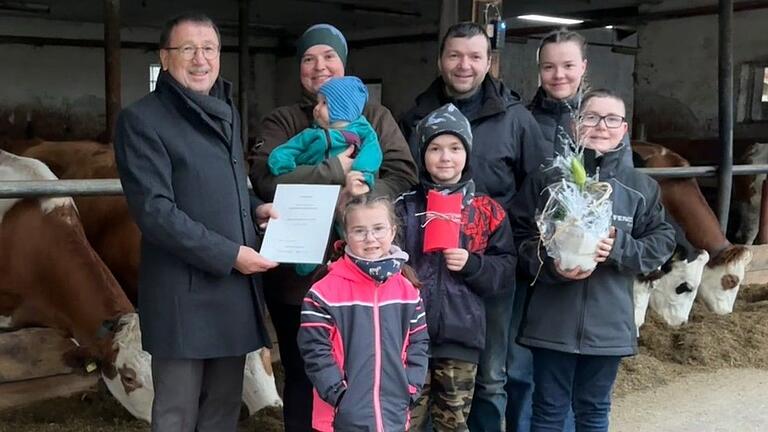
(747, 195)
(116, 238)
(684, 201)
(50, 276)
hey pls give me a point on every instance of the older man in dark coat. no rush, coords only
(179, 155)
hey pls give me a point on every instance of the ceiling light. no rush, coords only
(550, 19)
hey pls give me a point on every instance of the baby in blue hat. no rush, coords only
(339, 123)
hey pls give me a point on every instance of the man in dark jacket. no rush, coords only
(507, 146)
(179, 155)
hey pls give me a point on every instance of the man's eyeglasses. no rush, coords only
(360, 234)
(612, 121)
(188, 52)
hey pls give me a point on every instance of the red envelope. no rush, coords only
(443, 221)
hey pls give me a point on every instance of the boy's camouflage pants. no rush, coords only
(447, 396)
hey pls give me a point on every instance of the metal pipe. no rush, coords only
(703, 171)
(94, 187)
(725, 92)
(244, 68)
(49, 188)
(111, 64)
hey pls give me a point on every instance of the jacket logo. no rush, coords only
(626, 219)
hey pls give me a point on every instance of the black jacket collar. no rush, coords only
(496, 98)
(543, 103)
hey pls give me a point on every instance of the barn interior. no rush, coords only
(662, 56)
(70, 65)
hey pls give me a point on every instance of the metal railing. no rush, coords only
(111, 187)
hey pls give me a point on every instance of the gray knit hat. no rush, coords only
(446, 119)
(323, 34)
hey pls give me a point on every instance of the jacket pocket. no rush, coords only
(462, 317)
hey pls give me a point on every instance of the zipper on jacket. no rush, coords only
(377, 360)
(581, 316)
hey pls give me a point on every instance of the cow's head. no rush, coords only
(645, 283)
(721, 278)
(673, 294)
(259, 389)
(642, 292)
(129, 377)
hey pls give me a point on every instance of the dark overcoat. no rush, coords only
(186, 186)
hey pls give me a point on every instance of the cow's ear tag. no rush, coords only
(90, 366)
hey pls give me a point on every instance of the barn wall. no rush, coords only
(677, 73)
(61, 89)
(58, 91)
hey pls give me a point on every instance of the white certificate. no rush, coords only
(300, 233)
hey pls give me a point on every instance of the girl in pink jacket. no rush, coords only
(363, 331)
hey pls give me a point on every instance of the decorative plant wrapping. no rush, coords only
(578, 213)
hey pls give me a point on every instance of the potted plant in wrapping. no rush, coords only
(578, 213)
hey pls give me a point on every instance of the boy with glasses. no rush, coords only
(455, 279)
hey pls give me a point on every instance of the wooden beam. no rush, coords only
(244, 69)
(112, 70)
(32, 353)
(18, 394)
(449, 15)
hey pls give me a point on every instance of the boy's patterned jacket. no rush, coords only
(454, 300)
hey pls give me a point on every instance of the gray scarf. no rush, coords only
(216, 105)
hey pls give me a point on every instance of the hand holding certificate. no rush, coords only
(301, 233)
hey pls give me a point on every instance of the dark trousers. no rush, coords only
(197, 395)
(519, 385)
(297, 393)
(564, 381)
(490, 399)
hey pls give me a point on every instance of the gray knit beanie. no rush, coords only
(323, 34)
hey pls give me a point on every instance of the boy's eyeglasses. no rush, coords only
(612, 121)
(360, 234)
(188, 52)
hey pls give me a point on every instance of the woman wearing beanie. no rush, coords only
(322, 53)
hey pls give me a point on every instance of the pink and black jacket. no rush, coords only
(364, 346)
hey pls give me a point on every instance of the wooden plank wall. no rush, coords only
(32, 370)
(757, 271)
